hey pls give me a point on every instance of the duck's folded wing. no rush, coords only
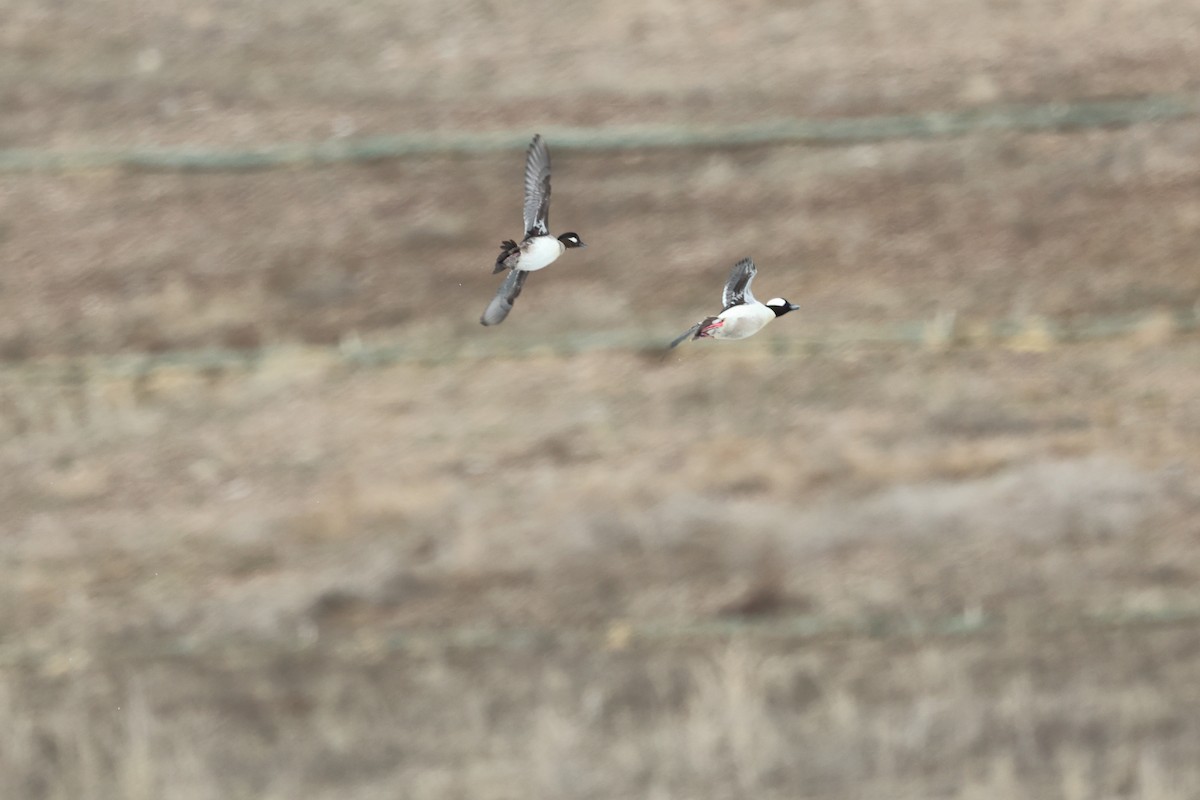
(502, 303)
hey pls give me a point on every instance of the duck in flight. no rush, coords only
(743, 315)
(538, 249)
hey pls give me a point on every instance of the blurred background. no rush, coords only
(279, 519)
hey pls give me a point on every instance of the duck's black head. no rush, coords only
(571, 239)
(780, 306)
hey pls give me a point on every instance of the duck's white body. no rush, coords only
(539, 253)
(740, 322)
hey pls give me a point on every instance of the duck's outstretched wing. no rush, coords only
(737, 288)
(537, 188)
(502, 303)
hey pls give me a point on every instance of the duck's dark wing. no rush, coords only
(537, 188)
(737, 289)
(502, 303)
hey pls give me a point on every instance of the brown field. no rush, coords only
(281, 520)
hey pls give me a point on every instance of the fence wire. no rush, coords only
(942, 333)
(614, 636)
(1072, 115)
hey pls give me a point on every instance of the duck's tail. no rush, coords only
(697, 331)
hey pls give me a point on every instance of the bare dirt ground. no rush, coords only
(747, 570)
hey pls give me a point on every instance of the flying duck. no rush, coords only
(538, 249)
(743, 315)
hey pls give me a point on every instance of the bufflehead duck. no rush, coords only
(538, 249)
(743, 315)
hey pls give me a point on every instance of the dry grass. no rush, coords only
(339, 590)
(907, 719)
(953, 572)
